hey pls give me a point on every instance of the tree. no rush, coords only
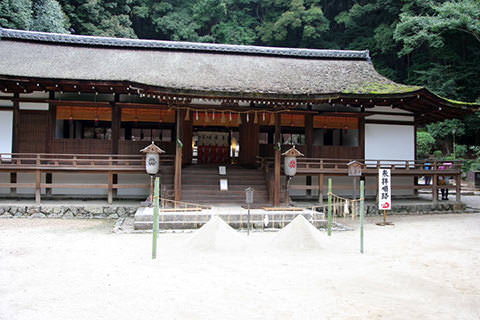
(294, 23)
(100, 17)
(458, 16)
(16, 14)
(48, 16)
(425, 143)
(443, 132)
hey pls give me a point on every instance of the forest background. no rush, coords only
(435, 44)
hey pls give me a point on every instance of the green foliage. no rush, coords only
(425, 143)
(444, 129)
(295, 23)
(16, 14)
(460, 16)
(100, 17)
(48, 16)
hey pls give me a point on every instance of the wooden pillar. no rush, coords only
(434, 189)
(320, 189)
(458, 188)
(116, 118)
(249, 146)
(361, 136)
(178, 157)
(16, 123)
(37, 186)
(15, 134)
(116, 124)
(309, 145)
(187, 136)
(110, 188)
(276, 181)
(52, 123)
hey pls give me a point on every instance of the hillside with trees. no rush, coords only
(435, 44)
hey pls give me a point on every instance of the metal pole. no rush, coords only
(362, 212)
(155, 219)
(329, 206)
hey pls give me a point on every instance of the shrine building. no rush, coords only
(75, 111)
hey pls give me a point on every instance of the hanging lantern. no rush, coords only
(152, 160)
(248, 119)
(187, 115)
(213, 115)
(239, 119)
(230, 116)
(290, 164)
(196, 115)
(263, 116)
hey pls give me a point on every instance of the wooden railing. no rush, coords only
(75, 162)
(307, 166)
(49, 163)
(339, 167)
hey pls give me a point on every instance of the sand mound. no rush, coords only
(299, 234)
(216, 234)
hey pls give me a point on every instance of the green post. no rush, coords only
(362, 212)
(155, 218)
(329, 206)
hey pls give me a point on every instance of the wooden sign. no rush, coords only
(384, 189)
(354, 169)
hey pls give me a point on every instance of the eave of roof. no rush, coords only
(177, 45)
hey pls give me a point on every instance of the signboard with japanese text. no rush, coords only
(384, 189)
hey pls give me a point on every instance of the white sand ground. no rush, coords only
(424, 267)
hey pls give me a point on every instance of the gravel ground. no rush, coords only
(423, 266)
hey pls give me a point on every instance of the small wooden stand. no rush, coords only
(384, 223)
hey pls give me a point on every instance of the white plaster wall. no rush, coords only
(80, 179)
(29, 178)
(389, 142)
(4, 178)
(133, 179)
(6, 131)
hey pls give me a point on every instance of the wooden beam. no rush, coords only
(391, 122)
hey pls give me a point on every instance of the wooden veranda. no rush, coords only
(323, 168)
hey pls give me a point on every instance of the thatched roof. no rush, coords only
(191, 67)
